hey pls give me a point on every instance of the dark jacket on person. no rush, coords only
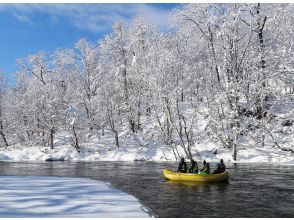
(221, 167)
(182, 166)
(206, 168)
(194, 167)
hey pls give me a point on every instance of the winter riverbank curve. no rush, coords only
(34, 196)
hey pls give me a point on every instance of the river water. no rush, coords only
(252, 191)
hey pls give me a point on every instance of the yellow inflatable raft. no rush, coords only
(173, 175)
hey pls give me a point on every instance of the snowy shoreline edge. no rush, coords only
(47, 196)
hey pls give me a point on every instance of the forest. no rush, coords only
(223, 73)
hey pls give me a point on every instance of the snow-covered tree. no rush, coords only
(223, 74)
(3, 90)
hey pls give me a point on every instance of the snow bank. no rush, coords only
(30, 196)
(144, 146)
(245, 155)
(4, 157)
(132, 151)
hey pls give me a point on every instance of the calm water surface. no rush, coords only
(252, 191)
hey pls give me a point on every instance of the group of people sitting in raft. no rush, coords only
(183, 167)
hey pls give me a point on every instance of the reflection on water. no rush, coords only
(264, 191)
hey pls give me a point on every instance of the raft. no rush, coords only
(173, 175)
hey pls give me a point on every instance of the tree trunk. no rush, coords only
(51, 138)
(139, 116)
(126, 96)
(211, 40)
(4, 138)
(234, 155)
(76, 142)
(148, 110)
(112, 127)
(2, 132)
(261, 25)
(116, 139)
(262, 66)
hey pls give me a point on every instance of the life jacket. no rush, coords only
(222, 168)
(206, 168)
(182, 167)
(193, 168)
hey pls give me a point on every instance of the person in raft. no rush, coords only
(182, 166)
(194, 167)
(206, 168)
(221, 167)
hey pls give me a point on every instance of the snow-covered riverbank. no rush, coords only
(31, 196)
(134, 147)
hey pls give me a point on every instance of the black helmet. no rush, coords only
(222, 161)
(204, 161)
(182, 159)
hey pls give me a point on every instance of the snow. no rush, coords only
(147, 145)
(73, 121)
(65, 197)
(139, 147)
(73, 112)
(4, 157)
(134, 60)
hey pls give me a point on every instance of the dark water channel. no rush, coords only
(267, 191)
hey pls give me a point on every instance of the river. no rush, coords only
(252, 191)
